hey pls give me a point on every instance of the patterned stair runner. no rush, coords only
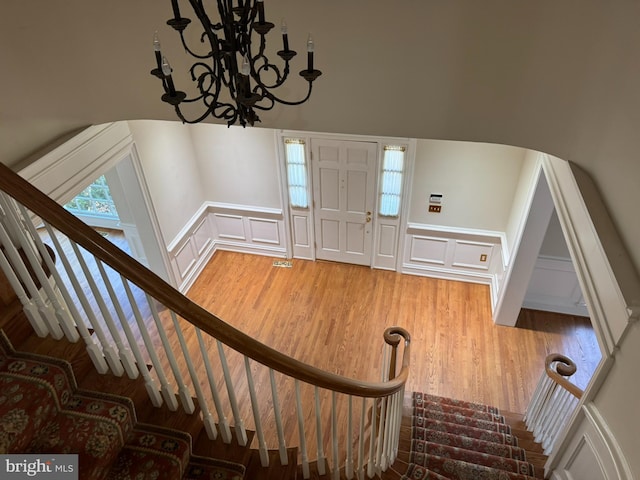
(459, 440)
(42, 411)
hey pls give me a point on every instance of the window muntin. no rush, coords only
(296, 173)
(391, 182)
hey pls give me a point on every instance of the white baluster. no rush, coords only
(399, 406)
(149, 382)
(569, 409)
(538, 414)
(334, 437)
(45, 311)
(108, 349)
(97, 296)
(363, 417)
(128, 360)
(223, 423)
(107, 354)
(372, 439)
(553, 412)
(394, 427)
(30, 309)
(384, 434)
(282, 448)
(303, 440)
(547, 413)
(167, 392)
(348, 466)
(262, 445)
(534, 404)
(560, 415)
(238, 423)
(133, 368)
(61, 311)
(207, 419)
(322, 459)
(381, 430)
(183, 390)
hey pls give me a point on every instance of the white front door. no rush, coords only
(344, 196)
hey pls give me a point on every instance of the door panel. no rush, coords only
(344, 195)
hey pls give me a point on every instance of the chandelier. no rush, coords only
(236, 63)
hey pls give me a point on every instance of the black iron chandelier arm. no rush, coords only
(280, 77)
(191, 52)
(248, 78)
(205, 81)
(274, 98)
(228, 113)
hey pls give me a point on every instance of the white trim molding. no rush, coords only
(72, 166)
(554, 287)
(451, 253)
(609, 283)
(593, 451)
(222, 226)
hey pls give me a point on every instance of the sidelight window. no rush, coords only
(391, 183)
(296, 173)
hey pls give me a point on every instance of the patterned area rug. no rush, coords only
(42, 411)
(461, 440)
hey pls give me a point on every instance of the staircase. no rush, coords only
(446, 438)
(100, 373)
(440, 438)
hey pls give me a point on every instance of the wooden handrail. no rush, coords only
(565, 368)
(88, 238)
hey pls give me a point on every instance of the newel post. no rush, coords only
(393, 336)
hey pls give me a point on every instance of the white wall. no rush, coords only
(521, 199)
(211, 187)
(554, 244)
(237, 165)
(170, 171)
(477, 181)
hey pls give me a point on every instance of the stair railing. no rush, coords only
(131, 320)
(553, 401)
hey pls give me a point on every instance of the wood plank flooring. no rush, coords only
(332, 316)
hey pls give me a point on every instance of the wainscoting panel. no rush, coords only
(454, 254)
(472, 255)
(264, 231)
(248, 229)
(428, 250)
(185, 258)
(230, 226)
(224, 227)
(554, 287)
(202, 237)
(593, 453)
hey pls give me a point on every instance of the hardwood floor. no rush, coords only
(332, 316)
